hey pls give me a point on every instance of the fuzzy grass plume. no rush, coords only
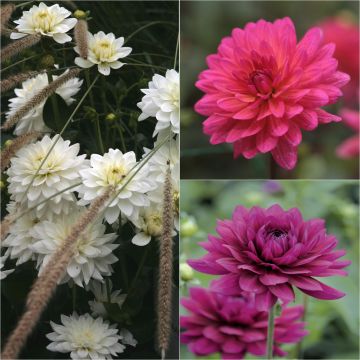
(45, 285)
(16, 145)
(165, 268)
(81, 37)
(12, 81)
(5, 225)
(5, 14)
(38, 98)
(18, 46)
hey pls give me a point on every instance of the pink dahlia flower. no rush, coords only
(345, 35)
(350, 147)
(232, 326)
(267, 252)
(262, 88)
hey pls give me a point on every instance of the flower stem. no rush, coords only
(98, 135)
(176, 52)
(54, 104)
(270, 334)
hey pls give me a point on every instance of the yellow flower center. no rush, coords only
(43, 21)
(115, 174)
(103, 50)
(154, 224)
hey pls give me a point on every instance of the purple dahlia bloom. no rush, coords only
(268, 251)
(233, 326)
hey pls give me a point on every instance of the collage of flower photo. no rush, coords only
(180, 179)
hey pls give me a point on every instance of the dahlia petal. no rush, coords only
(202, 265)
(284, 292)
(265, 301)
(227, 285)
(257, 348)
(315, 98)
(232, 346)
(277, 108)
(253, 335)
(246, 147)
(278, 127)
(212, 333)
(265, 142)
(229, 330)
(308, 120)
(305, 282)
(324, 117)
(203, 347)
(293, 136)
(327, 293)
(310, 42)
(273, 279)
(248, 112)
(293, 110)
(248, 281)
(285, 154)
(231, 104)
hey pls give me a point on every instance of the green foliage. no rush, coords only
(333, 325)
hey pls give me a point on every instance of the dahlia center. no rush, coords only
(85, 340)
(103, 50)
(262, 82)
(115, 174)
(154, 224)
(43, 21)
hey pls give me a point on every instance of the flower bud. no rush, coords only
(8, 143)
(47, 61)
(186, 272)
(110, 117)
(80, 14)
(189, 227)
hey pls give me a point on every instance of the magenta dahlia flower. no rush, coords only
(268, 251)
(262, 88)
(232, 326)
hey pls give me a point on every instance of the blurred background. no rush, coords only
(204, 24)
(333, 325)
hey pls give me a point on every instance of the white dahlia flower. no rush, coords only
(94, 249)
(46, 20)
(20, 239)
(104, 50)
(60, 171)
(115, 169)
(85, 338)
(100, 292)
(33, 120)
(149, 224)
(4, 273)
(162, 101)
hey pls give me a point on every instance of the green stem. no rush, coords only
(176, 51)
(20, 61)
(58, 137)
(270, 333)
(120, 131)
(98, 135)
